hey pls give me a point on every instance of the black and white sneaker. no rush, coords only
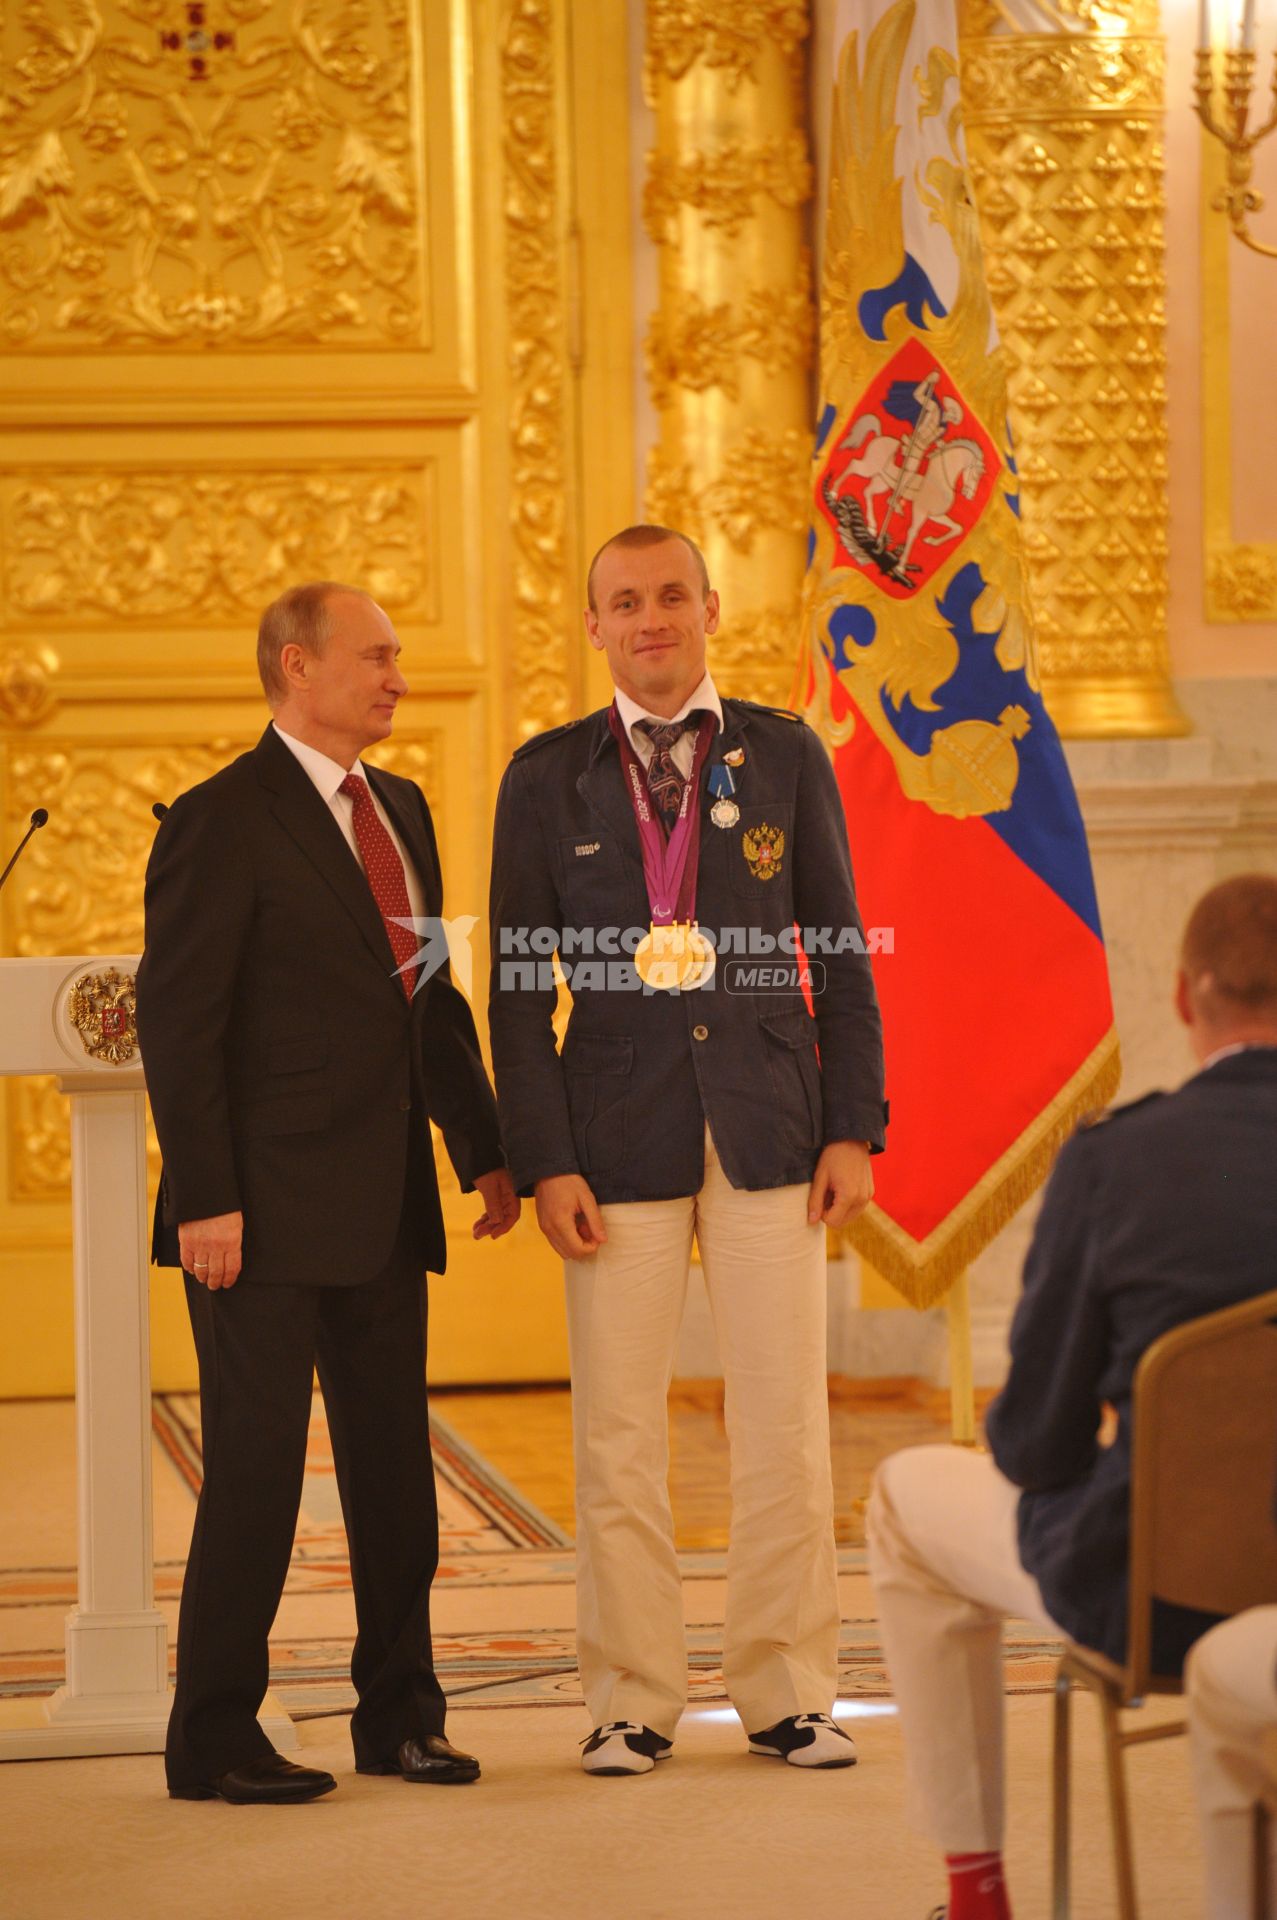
(806, 1740)
(622, 1746)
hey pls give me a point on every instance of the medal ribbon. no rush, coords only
(669, 867)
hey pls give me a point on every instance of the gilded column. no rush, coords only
(731, 343)
(1065, 140)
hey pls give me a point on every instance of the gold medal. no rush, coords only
(674, 958)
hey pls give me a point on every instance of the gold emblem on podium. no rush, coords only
(103, 1009)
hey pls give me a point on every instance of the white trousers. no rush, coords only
(765, 1273)
(945, 1563)
(1231, 1684)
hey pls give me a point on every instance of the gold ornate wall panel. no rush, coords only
(732, 342)
(227, 174)
(287, 290)
(1065, 138)
(1241, 575)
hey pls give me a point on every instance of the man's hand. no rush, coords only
(842, 1185)
(568, 1215)
(211, 1249)
(501, 1205)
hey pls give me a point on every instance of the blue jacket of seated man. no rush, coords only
(626, 1102)
(1163, 1211)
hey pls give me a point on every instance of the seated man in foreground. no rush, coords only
(1230, 1683)
(1165, 1210)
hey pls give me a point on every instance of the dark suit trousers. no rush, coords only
(257, 1346)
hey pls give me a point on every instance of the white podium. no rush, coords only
(75, 1018)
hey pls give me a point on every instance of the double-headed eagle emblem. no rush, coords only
(102, 1007)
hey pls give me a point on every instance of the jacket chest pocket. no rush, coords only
(597, 1071)
(600, 886)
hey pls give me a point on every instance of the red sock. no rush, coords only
(977, 1890)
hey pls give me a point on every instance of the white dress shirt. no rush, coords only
(683, 751)
(327, 776)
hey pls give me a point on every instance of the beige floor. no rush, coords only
(711, 1832)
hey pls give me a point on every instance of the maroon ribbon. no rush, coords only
(669, 866)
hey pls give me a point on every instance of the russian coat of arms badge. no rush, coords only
(102, 1007)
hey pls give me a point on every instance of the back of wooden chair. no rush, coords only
(1204, 1453)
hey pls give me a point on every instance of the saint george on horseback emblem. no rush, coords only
(910, 471)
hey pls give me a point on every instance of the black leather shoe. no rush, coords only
(429, 1758)
(269, 1781)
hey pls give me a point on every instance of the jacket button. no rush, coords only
(700, 1033)
(405, 1105)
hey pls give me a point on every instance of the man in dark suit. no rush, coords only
(295, 1054)
(1163, 1211)
(696, 1104)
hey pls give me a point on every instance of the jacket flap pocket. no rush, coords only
(297, 1056)
(599, 1053)
(791, 1029)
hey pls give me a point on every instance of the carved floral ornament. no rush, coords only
(145, 204)
(103, 544)
(722, 35)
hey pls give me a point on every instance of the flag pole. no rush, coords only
(961, 1377)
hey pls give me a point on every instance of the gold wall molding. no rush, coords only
(733, 338)
(269, 199)
(1065, 143)
(539, 421)
(1240, 576)
(111, 544)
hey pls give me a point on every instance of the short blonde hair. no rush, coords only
(300, 617)
(1229, 955)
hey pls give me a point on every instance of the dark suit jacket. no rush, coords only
(1165, 1210)
(288, 1075)
(641, 1073)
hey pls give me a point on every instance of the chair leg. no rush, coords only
(1060, 1799)
(1123, 1861)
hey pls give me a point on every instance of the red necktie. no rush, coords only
(385, 874)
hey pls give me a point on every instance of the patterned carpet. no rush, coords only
(503, 1597)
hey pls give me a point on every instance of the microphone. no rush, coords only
(38, 819)
(159, 809)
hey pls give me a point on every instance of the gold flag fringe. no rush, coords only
(923, 1271)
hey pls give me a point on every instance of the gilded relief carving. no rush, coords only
(1241, 582)
(249, 183)
(725, 186)
(538, 412)
(26, 689)
(731, 344)
(760, 487)
(111, 544)
(1064, 136)
(753, 654)
(682, 32)
(701, 346)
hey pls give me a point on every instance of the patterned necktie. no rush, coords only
(385, 874)
(664, 781)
